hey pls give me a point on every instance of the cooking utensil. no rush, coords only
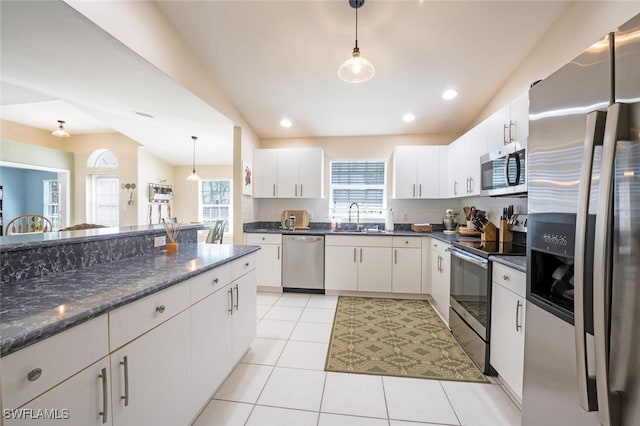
(467, 213)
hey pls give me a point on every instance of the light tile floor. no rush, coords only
(281, 381)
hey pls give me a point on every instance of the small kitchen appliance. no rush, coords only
(450, 221)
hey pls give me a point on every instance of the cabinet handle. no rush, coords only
(395, 256)
(360, 255)
(354, 255)
(455, 187)
(296, 189)
(160, 309)
(467, 185)
(420, 190)
(105, 401)
(231, 306)
(237, 297)
(505, 277)
(518, 306)
(513, 124)
(471, 185)
(34, 374)
(274, 189)
(125, 363)
(414, 190)
(216, 280)
(246, 265)
(301, 190)
(278, 252)
(504, 134)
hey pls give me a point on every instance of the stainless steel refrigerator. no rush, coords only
(582, 335)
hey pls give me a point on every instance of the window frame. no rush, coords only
(202, 205)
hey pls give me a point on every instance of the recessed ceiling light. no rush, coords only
(408, 117)
(285, 122)
(449, 94)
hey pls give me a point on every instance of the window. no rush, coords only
(105, 200)
(215, 200)
(102, 158)
(51, 202)
(362, 182)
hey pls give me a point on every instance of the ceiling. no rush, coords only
(274, 59)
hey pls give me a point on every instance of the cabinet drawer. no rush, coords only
(209, 282)
(412, 242)
(130, 321)
(258, 239)
(355, 241)
(33, 370)
(242, 266)
(510, 278)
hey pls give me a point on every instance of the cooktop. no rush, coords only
(487, 248)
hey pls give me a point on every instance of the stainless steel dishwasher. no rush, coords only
(303, 263)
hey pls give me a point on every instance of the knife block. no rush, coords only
(489, 232)
(506, 236)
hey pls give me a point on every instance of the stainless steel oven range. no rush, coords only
(470, 304)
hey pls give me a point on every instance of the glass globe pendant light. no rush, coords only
(356, 69)
(194, 176)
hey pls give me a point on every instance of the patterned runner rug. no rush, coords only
(389, 337)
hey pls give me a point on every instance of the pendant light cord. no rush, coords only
(194, 154)
(356, 27)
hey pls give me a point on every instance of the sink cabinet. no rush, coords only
(407, 265)
(358, 263)
(507, 325)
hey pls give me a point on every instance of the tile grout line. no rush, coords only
(450, 403)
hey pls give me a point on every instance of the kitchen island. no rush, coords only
(104, 341)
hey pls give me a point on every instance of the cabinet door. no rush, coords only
(151, 376)
(374, 269)
(443, 154)
(243, 320)
(428, 179)
(265, 173)
(405, 172)
(455, 167)
(498, 128)
(269, 265)
(340, 268)
(407, 270)
(520, 118)
(288, 173)
(210, 346)
(475, 147)
(426, 265)
(311, 173)
(507, 336)
(79, 400)
(440, 278)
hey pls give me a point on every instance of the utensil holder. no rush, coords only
(489, 232)
(172, 247)
(506, 236)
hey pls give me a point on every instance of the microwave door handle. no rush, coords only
(506, 170)
(593, 136)
(617, 122)
(518, 168)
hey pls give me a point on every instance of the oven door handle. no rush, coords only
(467, 258)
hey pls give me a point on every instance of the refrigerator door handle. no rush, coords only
(617, 121)
(593, 136)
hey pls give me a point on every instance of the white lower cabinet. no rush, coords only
(243, 317)
(269, 258)
(82, 400)
(358, 263)
(151, 376)
(507, 325)
(407, 265)
(440, 277)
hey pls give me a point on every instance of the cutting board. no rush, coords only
(463, 230)
(302, 217)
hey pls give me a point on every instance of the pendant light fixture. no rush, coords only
(356, 69)
(60, 131)
(193, 175)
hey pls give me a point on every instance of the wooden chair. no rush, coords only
(29, 223)
(217, 232)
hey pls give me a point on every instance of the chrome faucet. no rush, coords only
(357, 215)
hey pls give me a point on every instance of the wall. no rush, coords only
(151, 169)
(358, 147)
(186, 198)
(582, 24)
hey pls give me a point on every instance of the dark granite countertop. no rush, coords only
(30, 309)
(518, 263)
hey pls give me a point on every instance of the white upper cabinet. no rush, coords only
(509, 124)
(464, 162)
(288, 173)
(417, 171)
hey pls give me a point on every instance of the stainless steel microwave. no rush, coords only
(503, 172)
